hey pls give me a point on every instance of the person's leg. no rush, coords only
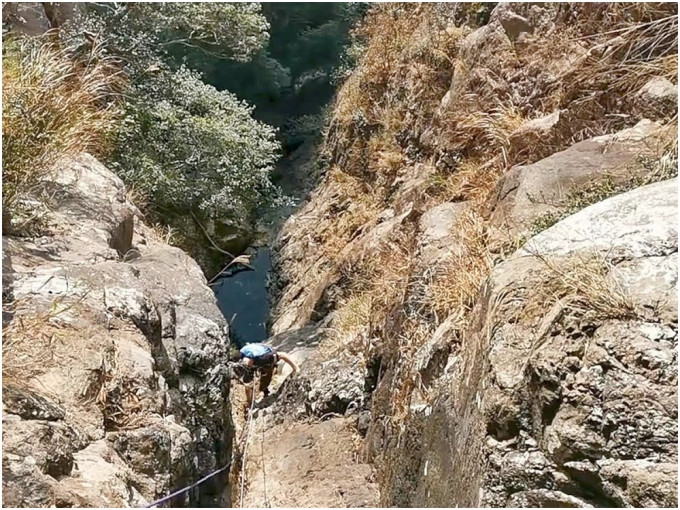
(250, 388)
(248, 380)
(266, 375)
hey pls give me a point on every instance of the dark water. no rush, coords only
(242, 297)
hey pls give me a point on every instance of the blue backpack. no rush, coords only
(256, 351)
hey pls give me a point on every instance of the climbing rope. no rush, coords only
(249, 424)
(264, 471)
(217, 471)
(185, 489)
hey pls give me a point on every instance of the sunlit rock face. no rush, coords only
(115, 384)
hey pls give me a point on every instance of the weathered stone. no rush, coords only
(29, 405)
(529, 409)
(130, 341)
(514, 24)
(659, 96)
(527, 193)
(542, 498)
(605, 227)
(333, 386)
(600, 389)
(437, 238)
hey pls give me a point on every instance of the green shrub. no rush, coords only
(187, 146)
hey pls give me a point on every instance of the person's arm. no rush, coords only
(288, 360)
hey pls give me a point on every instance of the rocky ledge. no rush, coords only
(115, 390)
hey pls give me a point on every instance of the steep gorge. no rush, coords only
(481, 291)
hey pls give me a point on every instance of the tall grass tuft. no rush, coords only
(57, 103)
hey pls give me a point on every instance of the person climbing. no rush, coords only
(262, 358)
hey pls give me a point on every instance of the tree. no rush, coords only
(144, 33)
(189, 149)
(292, 75)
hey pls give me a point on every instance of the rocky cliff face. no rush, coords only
(485, 278)
(563, 391)
(114, 387)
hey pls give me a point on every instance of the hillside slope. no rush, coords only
(489, 262)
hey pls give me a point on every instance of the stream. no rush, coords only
(242, 293)
(242, 297)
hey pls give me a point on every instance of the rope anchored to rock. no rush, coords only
(186, 489)
(207, 477)
(247, 437)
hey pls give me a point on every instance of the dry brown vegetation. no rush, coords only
(55, 106)
(28, 344)
(456, 280)
(588, 65)
(357, 204)
(584, 286)
(371, 287)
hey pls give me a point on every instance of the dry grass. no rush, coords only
(356, 205)
(34, 344)
(472, 180)
(164, 234)
(349, 328)
(455, 282)
(403, 74)
(583, 285)
(374, 284)
(476, 132)
(28, 345)
(389, 116)
(54, 106)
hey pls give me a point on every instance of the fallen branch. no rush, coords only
(205, 232)
(241, 259)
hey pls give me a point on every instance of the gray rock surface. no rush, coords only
(528, 193)
(115, 390)
(568, 397)
(438, 233)
(659, 96)
(544, 403)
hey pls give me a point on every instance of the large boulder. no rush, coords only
(576, 383)
(545, 189)
(563, 390)
(116, 350)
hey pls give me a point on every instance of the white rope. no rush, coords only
(249, 424)
(264, 471)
